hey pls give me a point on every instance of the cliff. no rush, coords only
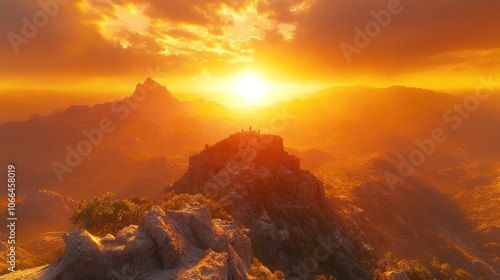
(283, 206)
(245, 158)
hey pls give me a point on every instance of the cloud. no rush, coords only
(292, 39)
(283, 11)
(91, 39)
(412, 41)
(67, 44)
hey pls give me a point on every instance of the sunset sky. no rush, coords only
(204, 46)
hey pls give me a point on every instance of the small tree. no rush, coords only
(107, 214)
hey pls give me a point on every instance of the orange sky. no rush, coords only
(201, 46)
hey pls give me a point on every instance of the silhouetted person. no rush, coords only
(250, 128)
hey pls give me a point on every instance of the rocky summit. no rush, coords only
(179, 244)
(246, 164)
(283, 206)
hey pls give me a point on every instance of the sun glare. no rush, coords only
(251, 88)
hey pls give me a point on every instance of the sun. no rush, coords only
(251, 88)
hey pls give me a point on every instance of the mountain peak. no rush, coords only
(149, 98)
(149, 82)
(156, 100)
(247, 146)
(150, 87)
(251, 161)
(268, 193)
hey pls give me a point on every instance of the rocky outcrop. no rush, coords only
(283, 206)
(254, 161)
(180, 244)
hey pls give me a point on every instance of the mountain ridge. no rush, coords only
(163, 128)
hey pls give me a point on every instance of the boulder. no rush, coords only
(178, 244)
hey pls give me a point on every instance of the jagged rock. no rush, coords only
(196, 226)
(243, 155)
(213, 266)
(180, 244)
(171, 245)
(138, 245)
(269, 194)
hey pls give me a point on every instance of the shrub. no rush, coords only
(464, 275)
(419, 271)
(107, 214)
(172, 201)
(260, 272)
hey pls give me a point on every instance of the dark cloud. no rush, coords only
(196, 12)
(70, 45)
(65, 44)
(412, 41)
(185, 36)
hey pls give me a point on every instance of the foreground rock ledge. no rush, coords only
(180, 244)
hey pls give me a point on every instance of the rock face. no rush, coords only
(283, 206)
(258, 161)
(180, 244)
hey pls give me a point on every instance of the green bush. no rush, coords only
(107, 214)
(172, 201)
(419, 271)
(260, 272)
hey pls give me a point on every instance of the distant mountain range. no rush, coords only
(349, 139)
(21, 105)
(152, 133)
